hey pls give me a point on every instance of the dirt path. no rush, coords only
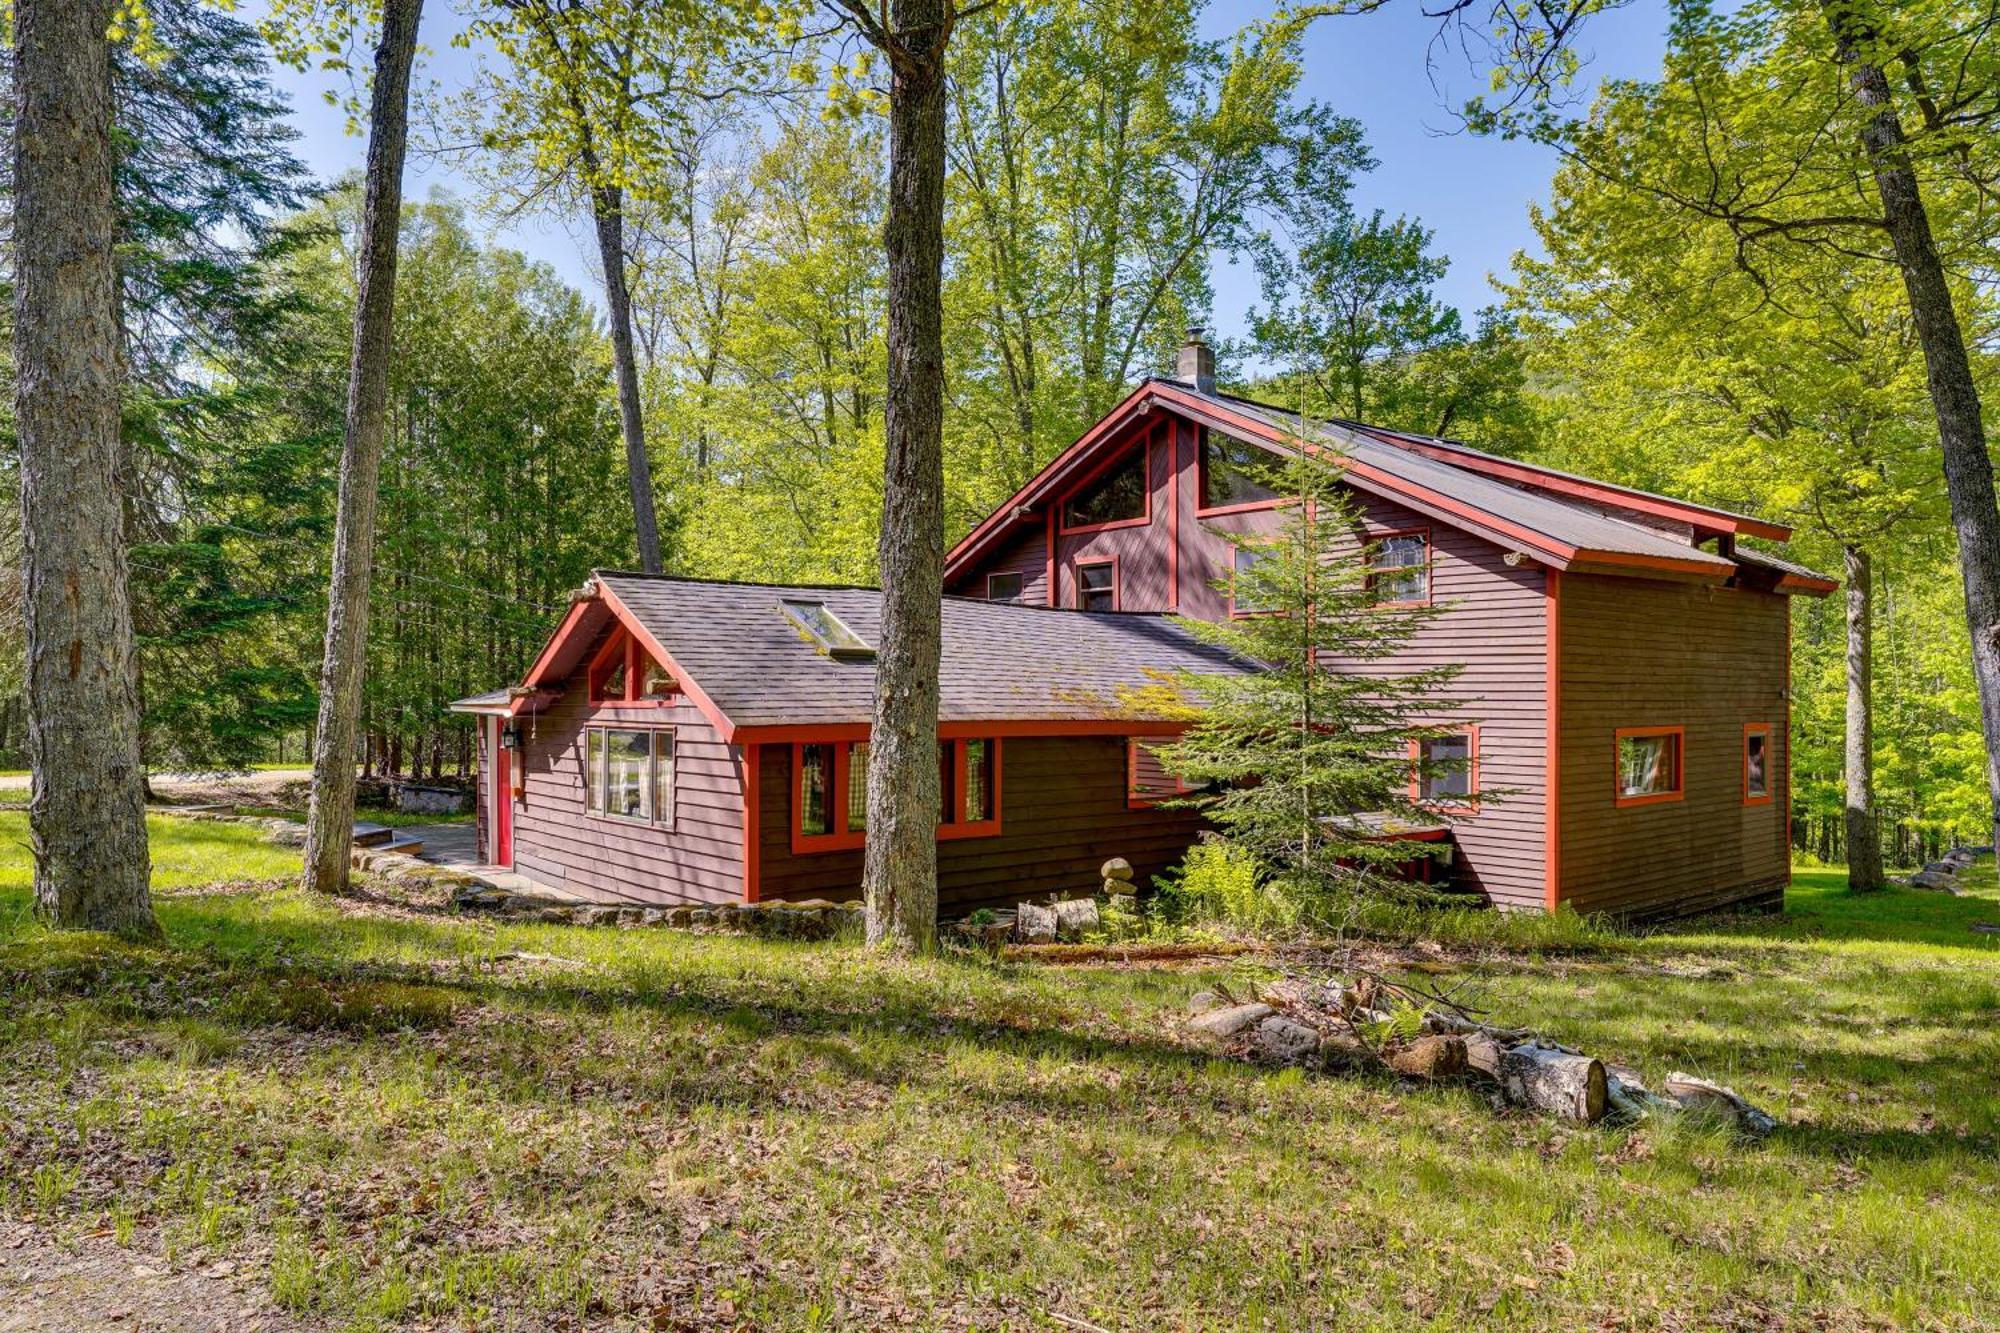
(95, 1284)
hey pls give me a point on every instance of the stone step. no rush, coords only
(373, 835)
(402, 846)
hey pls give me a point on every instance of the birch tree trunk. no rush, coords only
(899, 877)
(87, 818)
(330, 823)
(607, 211)
(1864, 834)
(1968, 471)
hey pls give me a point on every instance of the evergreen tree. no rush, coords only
(1309, 759)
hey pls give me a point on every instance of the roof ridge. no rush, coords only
(732, 583)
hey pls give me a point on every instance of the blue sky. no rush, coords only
(1474, 192)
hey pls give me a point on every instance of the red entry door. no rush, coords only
(503, 801)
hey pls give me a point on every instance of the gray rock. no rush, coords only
(1228, 1022)
(1035, 924)
(1076, 917)
(1281, 1039)
(1206, 1002)
(1116, 868)
(1936, 881)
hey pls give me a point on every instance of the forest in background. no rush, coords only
(1102, 158)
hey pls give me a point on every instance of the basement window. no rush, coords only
(827, 631)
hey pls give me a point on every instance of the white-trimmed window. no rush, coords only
(628, 773)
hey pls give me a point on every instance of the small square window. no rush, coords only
(1097, 586)
(1649, 765)
(1445, 768)
(1003, 587)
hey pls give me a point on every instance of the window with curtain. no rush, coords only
(629, 773)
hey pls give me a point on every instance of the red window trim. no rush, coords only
(601, 723)
(1621, 801)
(621, 644)
(1767, 730)
(1429, 566)
(1201, 482)
(1467, 806)
(1077, 567)
(841, 838)
(1133, 800)
(1065, 527)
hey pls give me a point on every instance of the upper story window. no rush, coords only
(1399, 570)
(1649, 765)
(1447, 768)
(1003, 587)
(1235, 472)
(1242, 601)
(1122, 495)
(624, 673)
(1097, 585)
(628, 773)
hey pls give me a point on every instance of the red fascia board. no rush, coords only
(1056, 471)
(775, 733)
(1811, 587)
(699, 697)
(1603, 492)
(578, 609)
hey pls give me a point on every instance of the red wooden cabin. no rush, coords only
(1625, 681)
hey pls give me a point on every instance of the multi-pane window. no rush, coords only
(830, 810)
(1235, 472)
(1003, 587)
(1649, 765)
(1097, 585)
(629, 773)
(1399, 570)
(1119, 496)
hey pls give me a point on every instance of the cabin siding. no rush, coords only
(558, 843)
(482, 770)
(1638, 653)
(1063, 813)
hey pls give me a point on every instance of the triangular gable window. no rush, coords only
(624, 673)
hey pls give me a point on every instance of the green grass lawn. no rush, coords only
(392, 1124)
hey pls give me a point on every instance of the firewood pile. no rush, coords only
(1367, 1021)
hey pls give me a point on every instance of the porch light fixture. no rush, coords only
(827, 631)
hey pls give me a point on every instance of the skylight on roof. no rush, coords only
(827, 631)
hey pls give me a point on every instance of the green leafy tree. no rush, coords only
(1309, 757)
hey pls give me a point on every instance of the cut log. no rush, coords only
(1430, 1058)
(1554, 1082)
(1482, 1056)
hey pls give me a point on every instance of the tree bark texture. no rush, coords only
(87, 818)
(1864, 833)
(607, 210)
(330, 823)
(899, 878)
(1968, 471)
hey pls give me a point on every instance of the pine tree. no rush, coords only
(1309, 760)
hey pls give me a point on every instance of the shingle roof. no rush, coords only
(1001, 662)
(1563, 520)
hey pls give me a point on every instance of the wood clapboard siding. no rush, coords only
(698, 860)
(1027, 554)
(482, 779)
(1638, 653)
(1063, 814)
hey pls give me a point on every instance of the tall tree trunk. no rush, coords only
(87, 818)
(1864, 833)
(330, 823)
(1968, 471)
(899, 877)
(607, 210)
